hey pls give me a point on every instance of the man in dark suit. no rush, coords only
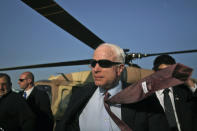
(15, 114)
(182, 98)
(38, 101)
(86, 111)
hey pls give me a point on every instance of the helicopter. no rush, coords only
(63, 83)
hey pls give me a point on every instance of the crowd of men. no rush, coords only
(108, 105)
(28, 110)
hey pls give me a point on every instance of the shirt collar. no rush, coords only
(112, 91)
(160, 92)
(29, 91)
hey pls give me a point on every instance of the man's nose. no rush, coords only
(97, 67)
(18, 82)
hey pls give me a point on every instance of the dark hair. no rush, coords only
(7, 77)
(163, 59)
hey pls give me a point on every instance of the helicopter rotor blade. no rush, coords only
(68, 63)
(129, 57)
(174, 52)
(56, 14)
(132, 56)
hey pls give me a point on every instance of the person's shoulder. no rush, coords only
(40, 92)
(82, 91)
(183, 88)
(126, 84)
(14, 95)
(183, 91)
(87, 86)
(15, 98)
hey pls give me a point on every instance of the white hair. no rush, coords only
(120, 55)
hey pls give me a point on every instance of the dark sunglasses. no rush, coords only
(103, 63)
(21, 80)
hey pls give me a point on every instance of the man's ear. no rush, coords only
(120, 68)
(29, 81)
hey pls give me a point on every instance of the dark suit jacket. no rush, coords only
(138, 116)
(15, 114)
(39, 102)
(184, 102)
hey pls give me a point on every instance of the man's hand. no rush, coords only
(190, 83)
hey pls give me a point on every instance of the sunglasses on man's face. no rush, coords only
(103, 63)
(21, 80)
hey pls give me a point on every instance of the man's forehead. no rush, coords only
(22, 76)
(162, 66)
(104, 53)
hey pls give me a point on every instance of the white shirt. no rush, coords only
(94, 117)
(28, 92)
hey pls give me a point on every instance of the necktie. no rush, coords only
(121, 124)
(169, 109)
(173, 75)
(25, 95)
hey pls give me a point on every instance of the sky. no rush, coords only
(143, 26)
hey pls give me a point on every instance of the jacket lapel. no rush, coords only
(32, 95)
(79, 98)
(178, 100)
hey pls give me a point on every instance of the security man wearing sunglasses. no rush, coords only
(38, 101)
(15, 114)
(86, 110)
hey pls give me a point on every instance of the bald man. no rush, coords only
(38, 101)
